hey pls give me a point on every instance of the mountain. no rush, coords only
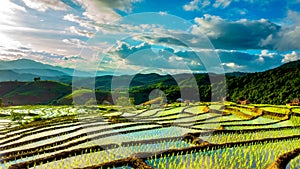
(41, 72)
(275, 86)
(27, 70)
(9, 75)
(21, 66)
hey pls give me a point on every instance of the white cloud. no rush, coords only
(82, 22)
(207, 24)
(222, 3)
(265, 54)
(195, 63)
(8, 12)
(59, 35)
(290, 57)
(6, 6)
(192, 6)
(44, 5)
(103, 11)
(80, 32)
(196, 5)
(175, 58)
(288, 37)
(232, 65)
(76, 42)
(8, 42)
(163, 12)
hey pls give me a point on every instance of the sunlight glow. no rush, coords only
(8, 11)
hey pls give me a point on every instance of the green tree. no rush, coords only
(1, 102)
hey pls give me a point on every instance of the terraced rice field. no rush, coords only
(226, 136)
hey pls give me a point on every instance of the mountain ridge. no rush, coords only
(274, 86)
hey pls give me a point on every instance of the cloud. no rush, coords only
(9, 11)
(124, 50)
(243, 33)
(249, 60)
(198, 60)
(266, 54)
(232, 65)
(196, 5)
(163, 13)
(51, 31)
(40, 56)
(290, 57)
(9, 7)
(163, 40)
(80, 32)
(80, 20)
(103, 11)
(44, 5)
(75, 42)
(222, 3)
(148, 56)
(124, 5)
(289, 37)
(251, 34)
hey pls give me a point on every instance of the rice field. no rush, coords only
(226, 136)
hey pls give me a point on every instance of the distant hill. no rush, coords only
(41, 72)
(40, 92)
(10, 75)
(47, 92)
(7, 87)
(27, 66)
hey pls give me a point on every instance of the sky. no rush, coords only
(142, 36)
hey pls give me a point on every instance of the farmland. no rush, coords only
(227, 136)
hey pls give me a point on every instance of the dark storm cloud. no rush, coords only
(241, 34)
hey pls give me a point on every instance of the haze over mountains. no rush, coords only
(27, 70)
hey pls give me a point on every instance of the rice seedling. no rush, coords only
(237, 157)
(65, 128)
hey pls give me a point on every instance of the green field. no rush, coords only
(228, 136)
